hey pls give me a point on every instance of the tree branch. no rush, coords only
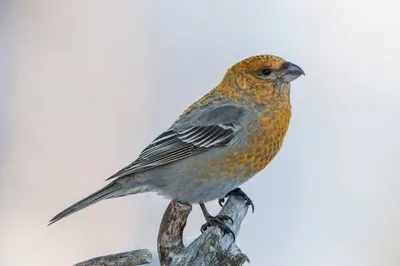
(130, 258)
(210, 248)
(169, 241)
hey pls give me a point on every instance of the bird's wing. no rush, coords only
(196, 132)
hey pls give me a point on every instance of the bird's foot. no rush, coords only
(240, 193)
(218, 221)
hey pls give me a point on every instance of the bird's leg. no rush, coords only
(240, 193)
(216, 221)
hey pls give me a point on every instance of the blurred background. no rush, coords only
(86, 85)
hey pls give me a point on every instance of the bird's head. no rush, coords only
(264, 72)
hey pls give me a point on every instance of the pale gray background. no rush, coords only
(85, 85)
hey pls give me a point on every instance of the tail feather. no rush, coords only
(108, 191)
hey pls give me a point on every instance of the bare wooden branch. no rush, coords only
(130, 258)
(210, 248)
(173, 223)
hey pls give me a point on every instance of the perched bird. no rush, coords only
(217, 144)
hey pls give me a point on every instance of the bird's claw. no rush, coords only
(221, 201)
(218, 221)
(240, 193)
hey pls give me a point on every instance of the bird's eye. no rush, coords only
(266, 71)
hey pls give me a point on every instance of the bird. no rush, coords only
(217, 144)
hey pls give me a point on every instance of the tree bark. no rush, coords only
(130, 258)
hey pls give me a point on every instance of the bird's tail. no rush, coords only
(110, 191)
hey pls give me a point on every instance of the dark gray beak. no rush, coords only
(291, 71)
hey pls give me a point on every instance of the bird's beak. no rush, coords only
(290, 71)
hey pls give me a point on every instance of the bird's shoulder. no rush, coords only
(211, 109)
(209, 99)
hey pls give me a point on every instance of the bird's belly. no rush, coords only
(245, 163)
(195, 179)
(197, 191)
(210, 178)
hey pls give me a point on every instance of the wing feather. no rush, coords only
(178, 142)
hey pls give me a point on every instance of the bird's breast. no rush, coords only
(264, 138)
